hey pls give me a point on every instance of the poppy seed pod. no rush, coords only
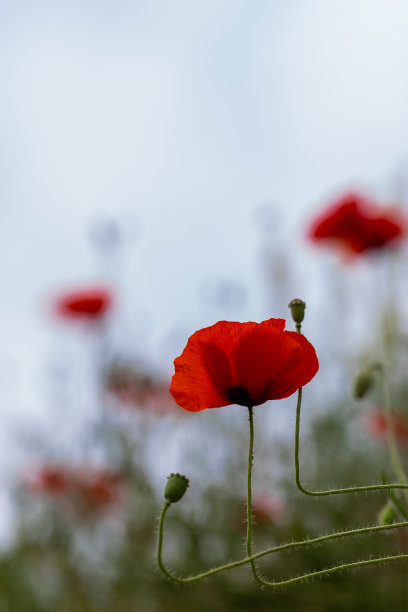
(363, 383)
(176, 486)
(297, 309)
(387, 514)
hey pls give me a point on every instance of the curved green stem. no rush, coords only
(276, 549)
(252, 557)
(399, 472)
(330, 570)
(166, 506)
(378, 487)
(396, 502)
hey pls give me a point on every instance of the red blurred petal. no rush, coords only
(355, 225)
(89, 304)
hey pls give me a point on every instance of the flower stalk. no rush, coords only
(241, 394)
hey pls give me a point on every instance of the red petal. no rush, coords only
(257, 356)
(272, 363)
(87, 304)
(300, 366)
(358, 225)
(202, 372)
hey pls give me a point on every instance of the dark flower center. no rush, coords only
(239, 395)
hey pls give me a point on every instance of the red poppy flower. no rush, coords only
(378, 425)
(88, 304)
(87, 489)
(99, 488)
(241, 363)
(357, 225)
(50, 479)
(138, 388)
(267, 508)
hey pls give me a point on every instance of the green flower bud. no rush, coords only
(297, 309)
(387, 515)
(363, 383)
(176, 486)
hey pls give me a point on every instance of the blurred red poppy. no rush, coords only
(357, 225)
(267, 508)
(98, 489)
(377, 425)
(86, 489)
(50, 479)
(136, 387)
(88, 304)
(241, 363)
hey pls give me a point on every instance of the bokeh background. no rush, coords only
(175, 154)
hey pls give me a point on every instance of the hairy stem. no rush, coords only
(276, 549)
(377, 487)
(249, 491)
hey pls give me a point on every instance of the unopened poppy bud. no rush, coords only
(176, 486)
(387, 515)
(297, 309)
(363, 383)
